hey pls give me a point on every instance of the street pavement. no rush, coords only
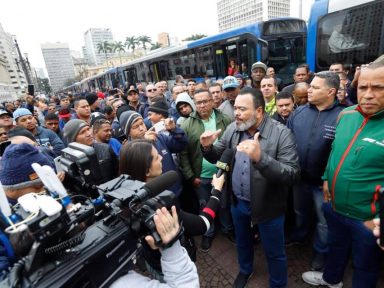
(218, 267)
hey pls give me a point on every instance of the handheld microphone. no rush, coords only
(157, 185)
(225, 159)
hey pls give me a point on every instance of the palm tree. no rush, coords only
(118, 47)
(144, 40)
(104, 47)
(131, 42)
(157, 45)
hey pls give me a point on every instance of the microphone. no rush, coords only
(157, 185)
(223, 164)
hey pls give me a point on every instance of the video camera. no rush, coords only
(76, 244)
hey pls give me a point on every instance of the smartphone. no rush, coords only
(160, 126)
(4, 145)
(31, 89)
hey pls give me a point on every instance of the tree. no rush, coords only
(118, 47)
(104, 47)
(43, 85)
(155, 46)
(195, 37)
(144, 40)
(131, 42)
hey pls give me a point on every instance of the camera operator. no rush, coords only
(178, 269)
(140, 160)
(79, 131)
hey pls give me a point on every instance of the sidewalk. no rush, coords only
(218, 267)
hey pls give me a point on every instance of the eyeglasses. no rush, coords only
(229, 89)
(202, 102)
(151, 90)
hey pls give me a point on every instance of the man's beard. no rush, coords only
(247, 124)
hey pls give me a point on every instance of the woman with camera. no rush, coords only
(142, 162)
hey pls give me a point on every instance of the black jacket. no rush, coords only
(271, 177)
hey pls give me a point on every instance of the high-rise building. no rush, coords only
(59, 63)
(12, 75)
(242, 12)
(92, 37)
(163, 39)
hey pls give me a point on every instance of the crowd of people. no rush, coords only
(318, 141)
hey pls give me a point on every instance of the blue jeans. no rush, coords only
(306, 197)
(272, 238)
(345, 234)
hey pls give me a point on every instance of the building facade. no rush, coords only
(59, 64)
(238, 13)
(163, 39)
(12, 78)
(92, 37)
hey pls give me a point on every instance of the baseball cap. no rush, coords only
(132, 89)
(259, 64)
(21, 112)
(2, 112)
(230, 82)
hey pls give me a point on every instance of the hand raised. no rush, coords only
(209, 137)
(251, 148)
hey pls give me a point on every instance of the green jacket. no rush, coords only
(356, 164)
(191, 157)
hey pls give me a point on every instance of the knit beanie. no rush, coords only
(159, 107)
(16, 171)
(122, 109)
(91, 98)
(72, 128)
(126, 120)
(21, 131)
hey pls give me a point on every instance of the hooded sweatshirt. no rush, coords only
(184, 98)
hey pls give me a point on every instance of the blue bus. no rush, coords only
(278, 42)
(347, 32)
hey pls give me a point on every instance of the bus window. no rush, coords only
(351, 36)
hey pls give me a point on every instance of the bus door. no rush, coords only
(154, 71)
(163, 67)
(130, 75)
(220, 62)
(244, 51)
(247, 55)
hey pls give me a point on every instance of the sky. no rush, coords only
(40, 21)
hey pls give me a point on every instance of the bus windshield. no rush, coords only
(285, 54)
(352, 35)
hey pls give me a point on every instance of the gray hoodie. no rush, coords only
(184, 98)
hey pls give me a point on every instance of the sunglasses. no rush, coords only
(151, 90)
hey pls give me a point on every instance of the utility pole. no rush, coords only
(23, 65)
